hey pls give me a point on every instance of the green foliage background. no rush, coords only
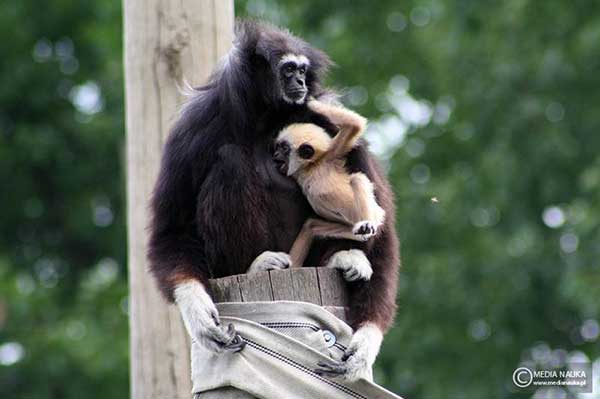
(489, 108)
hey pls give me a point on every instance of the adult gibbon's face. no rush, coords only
(291, 71)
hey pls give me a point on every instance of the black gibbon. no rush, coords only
(220, 204)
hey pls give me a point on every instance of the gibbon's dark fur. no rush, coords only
(219, 200)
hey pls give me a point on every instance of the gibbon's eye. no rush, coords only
(305, 151)
(288, 69)
(302, 69)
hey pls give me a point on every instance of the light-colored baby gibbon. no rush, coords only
(316, 161)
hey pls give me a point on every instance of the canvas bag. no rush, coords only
(285, 341)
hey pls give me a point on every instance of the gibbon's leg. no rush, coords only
(302, 244)
(362, 190)
(326, 229)
(317, 228)
(351, 270)
(369, 215)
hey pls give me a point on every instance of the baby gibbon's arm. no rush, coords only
(351, 125)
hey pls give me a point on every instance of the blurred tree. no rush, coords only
(483, 112)
(63, 321)
(486, 107)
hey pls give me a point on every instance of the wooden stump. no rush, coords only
(318, 285)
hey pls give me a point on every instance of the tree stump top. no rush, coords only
(319, 285)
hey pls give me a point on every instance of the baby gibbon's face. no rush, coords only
(298, 146)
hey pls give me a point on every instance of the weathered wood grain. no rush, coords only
(226, 289)
(281, 284)
(166, 41)
(331, 287)
(306, 285)
(317, 285)
(255, 287)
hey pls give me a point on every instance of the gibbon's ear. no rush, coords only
(265, 47)
(262, 47)
(306, 151)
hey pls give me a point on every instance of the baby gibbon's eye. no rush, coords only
(305, 151)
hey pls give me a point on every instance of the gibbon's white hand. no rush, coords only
(201, 319)
(358, 361)
(353, 264)
(270, 261)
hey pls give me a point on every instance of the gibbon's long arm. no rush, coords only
(351, 126)
(175, 252)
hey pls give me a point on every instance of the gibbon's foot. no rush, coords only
(364, 230)
(358, 361)
(270, 261)
(201, 319)
(353, 264)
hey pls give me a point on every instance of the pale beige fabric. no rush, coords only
(285, 342)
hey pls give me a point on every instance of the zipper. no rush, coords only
(302, 368)
(291, 324)
(296, 324)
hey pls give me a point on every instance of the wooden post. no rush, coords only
(165, 42)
